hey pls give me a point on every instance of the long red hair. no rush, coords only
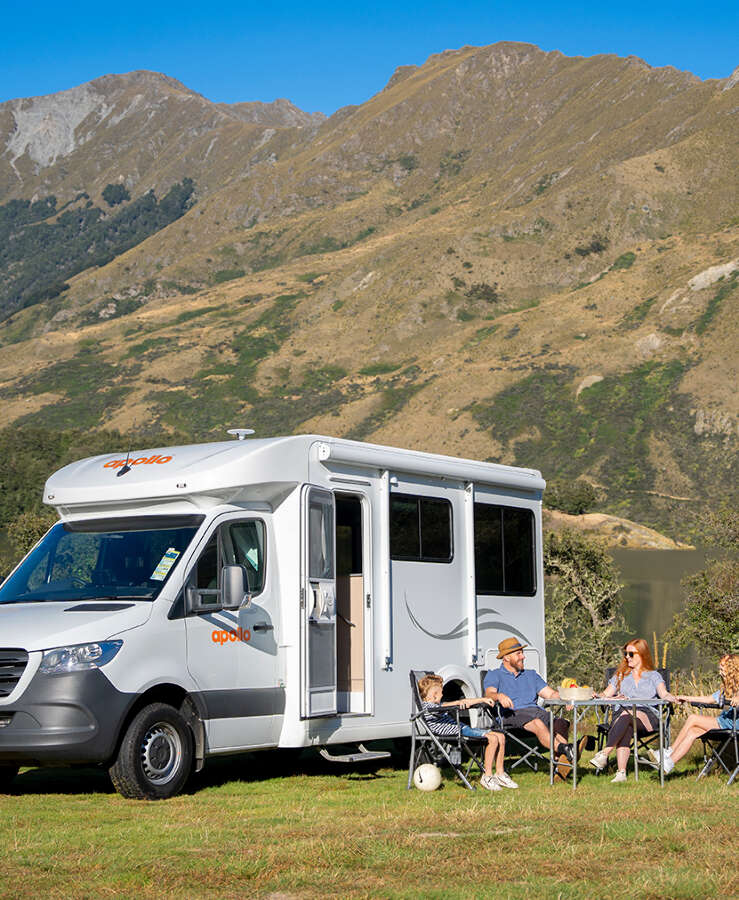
(647, 663)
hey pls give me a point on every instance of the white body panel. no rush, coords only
(414, 615)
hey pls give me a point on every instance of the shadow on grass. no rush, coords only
(254, 767)
(218, 771)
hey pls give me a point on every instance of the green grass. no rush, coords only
(281, 825)
(637, 315)
(380, 368)
(608, 431)
(715, 303)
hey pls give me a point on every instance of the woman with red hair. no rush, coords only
(635, 679)
(697, 725)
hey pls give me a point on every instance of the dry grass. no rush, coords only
(316, 831)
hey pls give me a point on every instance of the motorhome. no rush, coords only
(258, 593)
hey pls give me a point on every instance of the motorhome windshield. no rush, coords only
(124, 558)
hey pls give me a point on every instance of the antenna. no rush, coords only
(126, 468)
(240, 433)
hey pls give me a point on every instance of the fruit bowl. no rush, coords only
(576, 693)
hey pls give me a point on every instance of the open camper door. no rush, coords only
(318, 603)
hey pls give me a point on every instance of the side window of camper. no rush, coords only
(243, 545)
(205, 576)
(504, 550)
(321, 532)
(420, 529)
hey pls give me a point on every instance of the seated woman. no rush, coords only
(697, 725)
(442, 724)
(635, 679)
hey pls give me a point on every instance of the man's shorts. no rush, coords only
(517, 718)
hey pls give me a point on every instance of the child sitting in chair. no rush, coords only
(443, 725)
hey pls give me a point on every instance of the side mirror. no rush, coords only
(235, 592)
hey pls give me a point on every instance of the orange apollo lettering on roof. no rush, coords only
(139, 461)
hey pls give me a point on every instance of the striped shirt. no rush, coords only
(440, 723)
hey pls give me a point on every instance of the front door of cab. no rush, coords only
(232, 654)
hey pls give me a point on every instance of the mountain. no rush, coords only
(505, 253)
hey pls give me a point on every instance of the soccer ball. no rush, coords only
(427, 777)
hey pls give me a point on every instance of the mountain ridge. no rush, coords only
(503, 253)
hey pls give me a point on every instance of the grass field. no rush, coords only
(283, 826)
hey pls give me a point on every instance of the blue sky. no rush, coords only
(326, 55)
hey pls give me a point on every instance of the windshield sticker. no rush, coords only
(165, 564)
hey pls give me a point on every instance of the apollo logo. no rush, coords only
(141, 461)
(223, 636)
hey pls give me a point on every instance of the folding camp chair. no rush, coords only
(721, 745)
(429, 747)
(519, 742)
(643, 740)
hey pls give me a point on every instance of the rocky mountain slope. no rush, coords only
(505, 253)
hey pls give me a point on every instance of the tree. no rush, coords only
(572, 497)
(113, 194)
(711, 615)
(23, 533)
(583, 606)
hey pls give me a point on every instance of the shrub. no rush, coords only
(711, 615)
(572, 497)
(583, 606)
(113, 194)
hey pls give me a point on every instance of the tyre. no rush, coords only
(7, 774)
(156, 755)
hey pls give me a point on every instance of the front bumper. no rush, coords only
(70, 718)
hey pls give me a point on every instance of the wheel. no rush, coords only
(155, 756)
(7, 774)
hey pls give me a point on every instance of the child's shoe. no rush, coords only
(505, 780)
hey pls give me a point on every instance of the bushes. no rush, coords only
(583, 607)
(113, 194)
(711, 615)
(572, 497)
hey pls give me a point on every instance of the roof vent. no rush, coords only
(241, 433)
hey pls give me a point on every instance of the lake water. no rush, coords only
(652, 595)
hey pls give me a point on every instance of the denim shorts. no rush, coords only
(725, 720)
(473, 732)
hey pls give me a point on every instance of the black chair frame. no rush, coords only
(440, 750)
(716, 742)
(643, 740)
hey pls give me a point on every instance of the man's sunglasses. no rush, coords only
(630, 653)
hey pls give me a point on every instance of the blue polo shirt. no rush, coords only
(522, 687)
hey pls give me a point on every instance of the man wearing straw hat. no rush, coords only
(516, 689)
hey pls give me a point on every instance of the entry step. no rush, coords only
(364, 755)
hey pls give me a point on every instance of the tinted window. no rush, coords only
(504, 550)
(420, 528)
(320, 536)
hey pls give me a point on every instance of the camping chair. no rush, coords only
(718, 744)
(643, 741)
(519, 742)
(439, 750)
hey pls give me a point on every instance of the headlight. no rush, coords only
(78, 658)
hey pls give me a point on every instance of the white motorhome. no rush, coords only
(253, 594)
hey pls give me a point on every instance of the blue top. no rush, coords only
(726, 718)
(644, 689)
(522, 687)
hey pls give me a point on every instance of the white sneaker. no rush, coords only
(620, 777)
(669, 765)
(505, 780)
(600, 760)
(655, 753)
(490, 783)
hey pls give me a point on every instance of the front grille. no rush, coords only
(12, 665)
